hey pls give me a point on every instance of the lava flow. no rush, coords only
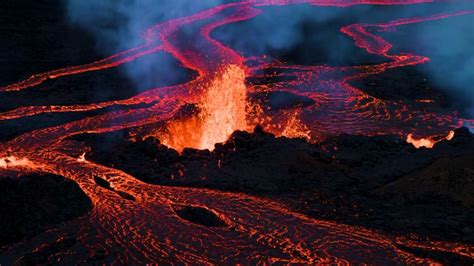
(205, 111)
(12, 161)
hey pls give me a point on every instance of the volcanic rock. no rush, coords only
(199, 215)
(30, 204)
(43, 254)
(369, 181)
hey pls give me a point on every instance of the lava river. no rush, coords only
(147, 228)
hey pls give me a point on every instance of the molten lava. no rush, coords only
(221, 112)
(294, 128)
(82, 158)
(144, 227)
(12, 161)
(427, 142)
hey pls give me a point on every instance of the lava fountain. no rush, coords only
(222, 110)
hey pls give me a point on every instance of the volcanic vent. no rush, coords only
(221, 111)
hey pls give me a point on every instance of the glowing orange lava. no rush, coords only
(82, 158)
(145, 228)
(221, 112)
(12, 161)
(427, 142)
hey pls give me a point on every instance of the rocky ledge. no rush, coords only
(379, 182)
(32, 203)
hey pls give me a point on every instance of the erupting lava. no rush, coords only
(82, 158)
(427, 142)
(221, 112)
(206, 110)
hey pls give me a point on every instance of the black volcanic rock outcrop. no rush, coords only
(452, 178)
(106, 184)
(30, 204)
(379, 182)
(199, 215)
(102, 182)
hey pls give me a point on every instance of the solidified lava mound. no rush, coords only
(106, 184)
(452, 178)
(29, 204)
(199, 215)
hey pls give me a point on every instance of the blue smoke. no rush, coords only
(117, 26)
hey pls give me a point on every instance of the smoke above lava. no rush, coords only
(119, 25)
(454, 71)
(301, 32)
(310, 35)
